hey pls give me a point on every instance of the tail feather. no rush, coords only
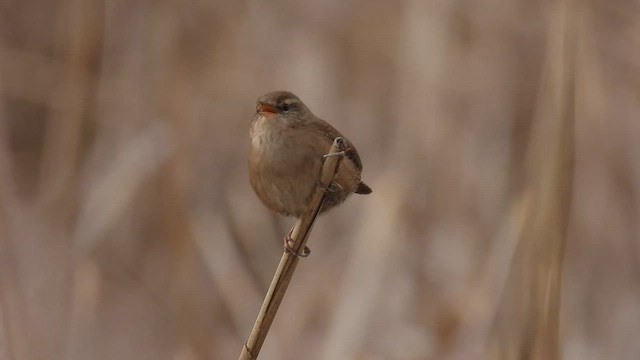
(363, 189)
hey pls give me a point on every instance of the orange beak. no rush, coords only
(266, 109)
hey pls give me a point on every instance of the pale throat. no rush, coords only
(266, 132)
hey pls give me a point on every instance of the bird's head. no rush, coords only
(284, 107)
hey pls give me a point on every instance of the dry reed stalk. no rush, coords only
(299, 234)
(527, 325)
(14, 333)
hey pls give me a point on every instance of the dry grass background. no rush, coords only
(491, 132)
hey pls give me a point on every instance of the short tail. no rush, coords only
(363, 189)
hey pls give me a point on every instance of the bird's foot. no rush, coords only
(339, 153)
(288, 242)
(341, 145)
(335, 187)
(332, 188)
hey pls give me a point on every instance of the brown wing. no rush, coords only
(331, 133)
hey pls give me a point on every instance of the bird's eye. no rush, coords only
(285, 107)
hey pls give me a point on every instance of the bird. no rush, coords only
(288, 143)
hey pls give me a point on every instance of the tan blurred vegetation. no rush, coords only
(500, 138)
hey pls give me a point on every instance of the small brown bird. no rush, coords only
(287, 147)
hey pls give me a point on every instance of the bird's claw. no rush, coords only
(288, 241)
(332, 188)
(339, 153)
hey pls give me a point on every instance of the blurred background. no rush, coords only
(500, 140)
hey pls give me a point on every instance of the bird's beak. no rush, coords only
(266, 109)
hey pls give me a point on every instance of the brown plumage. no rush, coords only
(285, 160)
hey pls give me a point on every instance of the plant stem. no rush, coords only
(288, 262)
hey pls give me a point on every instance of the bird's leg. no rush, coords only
(288, 242)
